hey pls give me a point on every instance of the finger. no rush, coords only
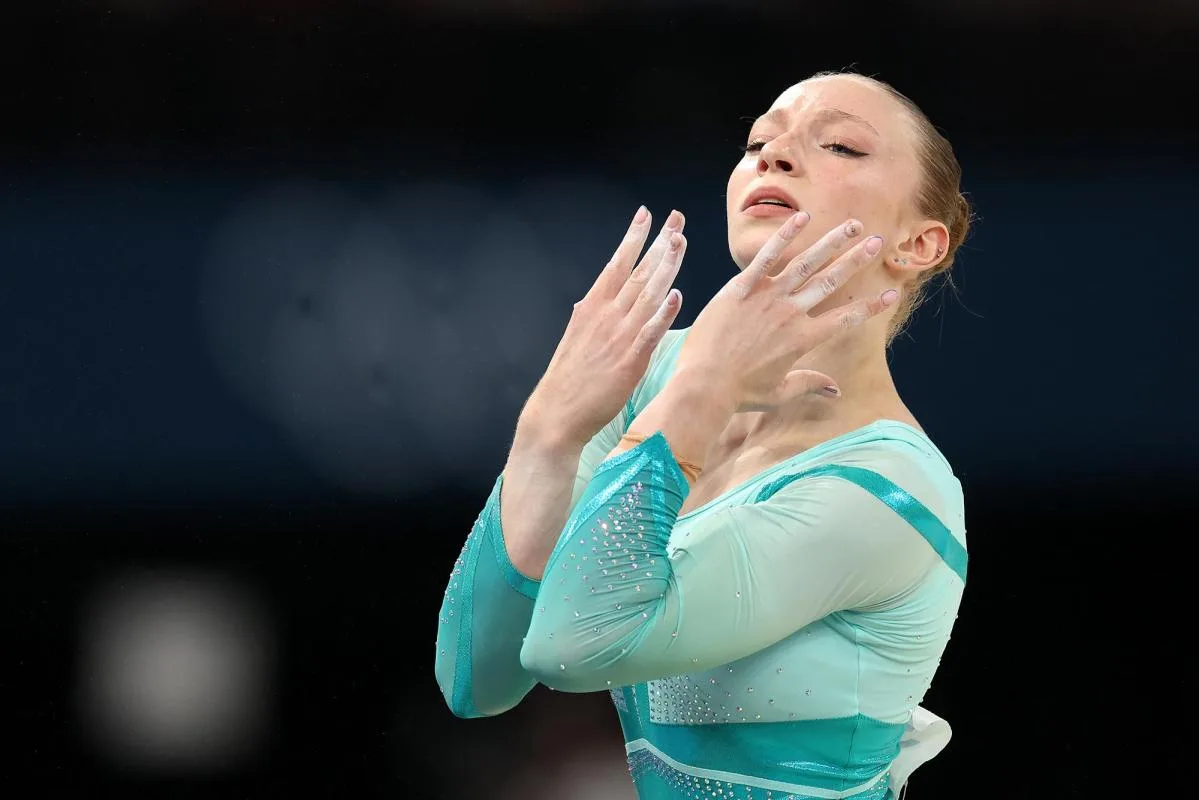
(674, 224)
(828, 280)
(617, 269)
(801, 268)
(660, 282)
(652, 332)
(802, 382)
(770, 253)
(851, 315)
(649, 262)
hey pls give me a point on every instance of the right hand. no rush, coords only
(611, 335)
(745, 342)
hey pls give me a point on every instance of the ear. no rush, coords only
(924, 248)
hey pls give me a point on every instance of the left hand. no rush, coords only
(745, 341)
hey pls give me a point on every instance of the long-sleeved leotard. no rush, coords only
(772, 643)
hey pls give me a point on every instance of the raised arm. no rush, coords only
(488, 602)
(611, 340)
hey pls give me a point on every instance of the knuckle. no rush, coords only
(803, 268)
(851, 318)
(828, 285)
(645, 340)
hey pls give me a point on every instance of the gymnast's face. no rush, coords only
(836, 147)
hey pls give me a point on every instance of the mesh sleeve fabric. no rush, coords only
(621, 604)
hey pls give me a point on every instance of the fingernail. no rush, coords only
(801, 218)
(889, 297)
(831, 391)
(853, 228)
(674, 221)
(676, 242)
(641, 215)
(873, 245)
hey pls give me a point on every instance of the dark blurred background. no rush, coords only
(276, 277)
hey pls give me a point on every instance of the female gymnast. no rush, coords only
(738, 528)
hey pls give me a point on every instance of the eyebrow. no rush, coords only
(835, 114)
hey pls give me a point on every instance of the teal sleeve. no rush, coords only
(621, 603)
(488, 605)
(483, 618)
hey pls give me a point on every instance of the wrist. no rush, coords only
(537, 435)
(704, 387)
(690, 412)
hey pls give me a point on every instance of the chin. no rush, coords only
(743, 246)
(741, 254)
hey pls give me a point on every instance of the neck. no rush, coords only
(858, 363)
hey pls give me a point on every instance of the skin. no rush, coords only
(802, 145)
(805, 144)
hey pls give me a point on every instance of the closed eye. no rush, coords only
(839, 148)
(843, 149)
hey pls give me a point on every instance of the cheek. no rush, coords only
(864, 196)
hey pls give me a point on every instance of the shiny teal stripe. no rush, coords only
(632, 720)
(463, 698)
(939, 537)
(800, 752)
(600, 491)
(514, 577)
(720, 783)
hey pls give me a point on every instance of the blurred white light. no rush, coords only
(174, 673)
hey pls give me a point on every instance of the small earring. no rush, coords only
(939, 251)
(903, 262)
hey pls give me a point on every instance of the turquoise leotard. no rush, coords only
(772, 643)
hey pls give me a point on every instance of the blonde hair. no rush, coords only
(938, 197)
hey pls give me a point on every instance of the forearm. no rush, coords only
(598, 615)
(535, 497)
(489, 600)
(611, 571)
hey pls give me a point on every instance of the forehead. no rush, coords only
(844, 93)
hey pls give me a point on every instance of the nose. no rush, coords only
(777, 156)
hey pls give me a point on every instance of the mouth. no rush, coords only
(769, 202)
